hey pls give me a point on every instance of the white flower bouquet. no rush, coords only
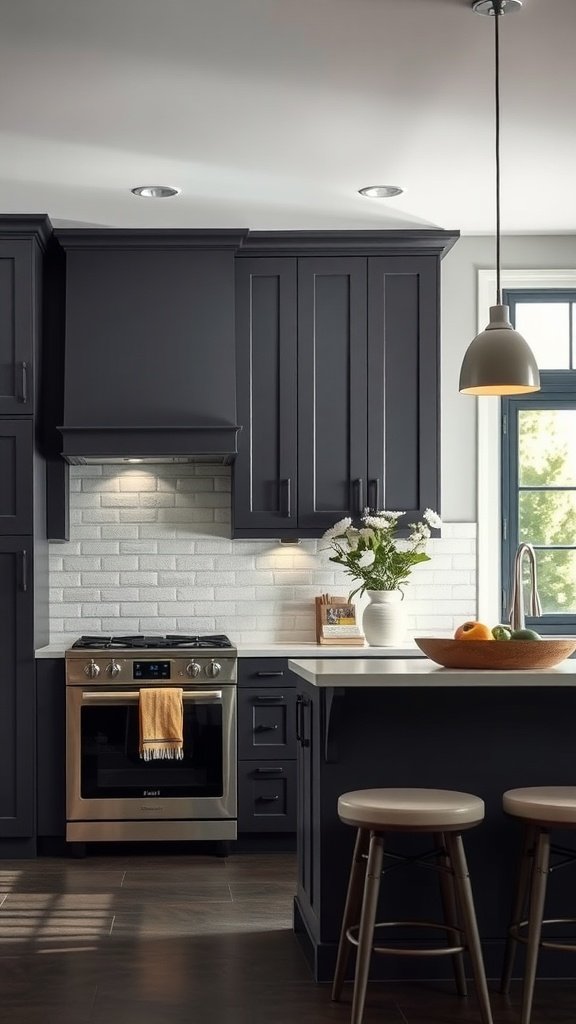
(371, 554)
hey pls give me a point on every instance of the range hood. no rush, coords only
(150, 371)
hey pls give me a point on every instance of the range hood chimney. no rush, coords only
(150, 369)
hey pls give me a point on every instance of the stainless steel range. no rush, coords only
(111, 793)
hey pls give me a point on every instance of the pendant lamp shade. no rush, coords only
(499, 361)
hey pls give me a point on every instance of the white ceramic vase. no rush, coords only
(384, 619)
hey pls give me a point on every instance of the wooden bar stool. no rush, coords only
(375, 812)
(540, 809)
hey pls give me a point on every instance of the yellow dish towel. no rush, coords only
(161, 723)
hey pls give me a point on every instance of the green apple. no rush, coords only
(501, 632)
(525, 634)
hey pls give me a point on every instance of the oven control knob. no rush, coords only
(213, 669)
(114, 669)
(193, 669)
(92, 669)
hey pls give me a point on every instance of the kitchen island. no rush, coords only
(374, 723)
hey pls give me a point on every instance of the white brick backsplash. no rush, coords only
(150, 551)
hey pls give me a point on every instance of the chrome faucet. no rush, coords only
(517, 620)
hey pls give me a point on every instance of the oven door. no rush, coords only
(106, 779)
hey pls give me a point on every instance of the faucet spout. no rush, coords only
(517, 613)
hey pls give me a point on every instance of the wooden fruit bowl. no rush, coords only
(496, 654)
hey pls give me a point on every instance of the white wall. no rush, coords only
(459, 326)
(150, 551)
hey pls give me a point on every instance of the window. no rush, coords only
(539, 458)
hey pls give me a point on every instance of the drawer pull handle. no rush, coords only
(266, 675)
(269, 771)
(263, 727)
(267, 799)
(269, 697)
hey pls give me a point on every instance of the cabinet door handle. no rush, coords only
(24, 570)
(24, 391)
(299, 718)
(374, 493)
(304, 741)
(265, 675)
(359, 495)
(267, 799)
(269, 699)
(269, 771)
(287, 486)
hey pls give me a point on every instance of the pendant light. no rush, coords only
(499, 361)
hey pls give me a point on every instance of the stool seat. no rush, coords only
(415, 809)
(555, 805)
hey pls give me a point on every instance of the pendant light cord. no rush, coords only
(497, 15)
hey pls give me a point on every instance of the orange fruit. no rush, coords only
(473, 631)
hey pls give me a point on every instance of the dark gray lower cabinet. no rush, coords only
(51, 747)
(17, 692)
(266, 746)
(266, 723)
(267, 796)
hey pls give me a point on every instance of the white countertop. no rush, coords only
(303, 649)
(362, 672)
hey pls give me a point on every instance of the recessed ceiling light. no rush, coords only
(381, 191)
(155, 191)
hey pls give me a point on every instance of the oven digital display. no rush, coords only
(151, 670)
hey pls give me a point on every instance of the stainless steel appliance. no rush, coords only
(111, 793)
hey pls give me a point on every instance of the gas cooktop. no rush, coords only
(170, 642)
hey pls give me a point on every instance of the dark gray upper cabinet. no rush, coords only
(403, 383)
(266, 470)
(16, 337)
(16, 476)
(17, 689)
(362, 313)
(332, 389)
(19, 319)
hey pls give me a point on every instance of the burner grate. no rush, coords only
(141, 642)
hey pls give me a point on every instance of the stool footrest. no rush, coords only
(351, 935)
(515, 933)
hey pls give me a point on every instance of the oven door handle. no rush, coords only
(132, 696)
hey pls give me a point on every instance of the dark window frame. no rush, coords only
(558, 391)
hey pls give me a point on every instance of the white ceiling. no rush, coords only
(270, 114)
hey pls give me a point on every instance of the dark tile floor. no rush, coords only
(168, 940)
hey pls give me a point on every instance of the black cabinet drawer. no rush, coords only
(265, 672)
(267, 796)
(266, 723)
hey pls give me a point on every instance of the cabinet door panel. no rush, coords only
(17, 691)
(265, 482)
(16, 326)
(332, 425)
(16, 476)
(403, 383)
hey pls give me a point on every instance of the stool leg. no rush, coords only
(457, 856)
(367, 920)
(520, 897)
(351, 909)
(451, 915)
(535, 915)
